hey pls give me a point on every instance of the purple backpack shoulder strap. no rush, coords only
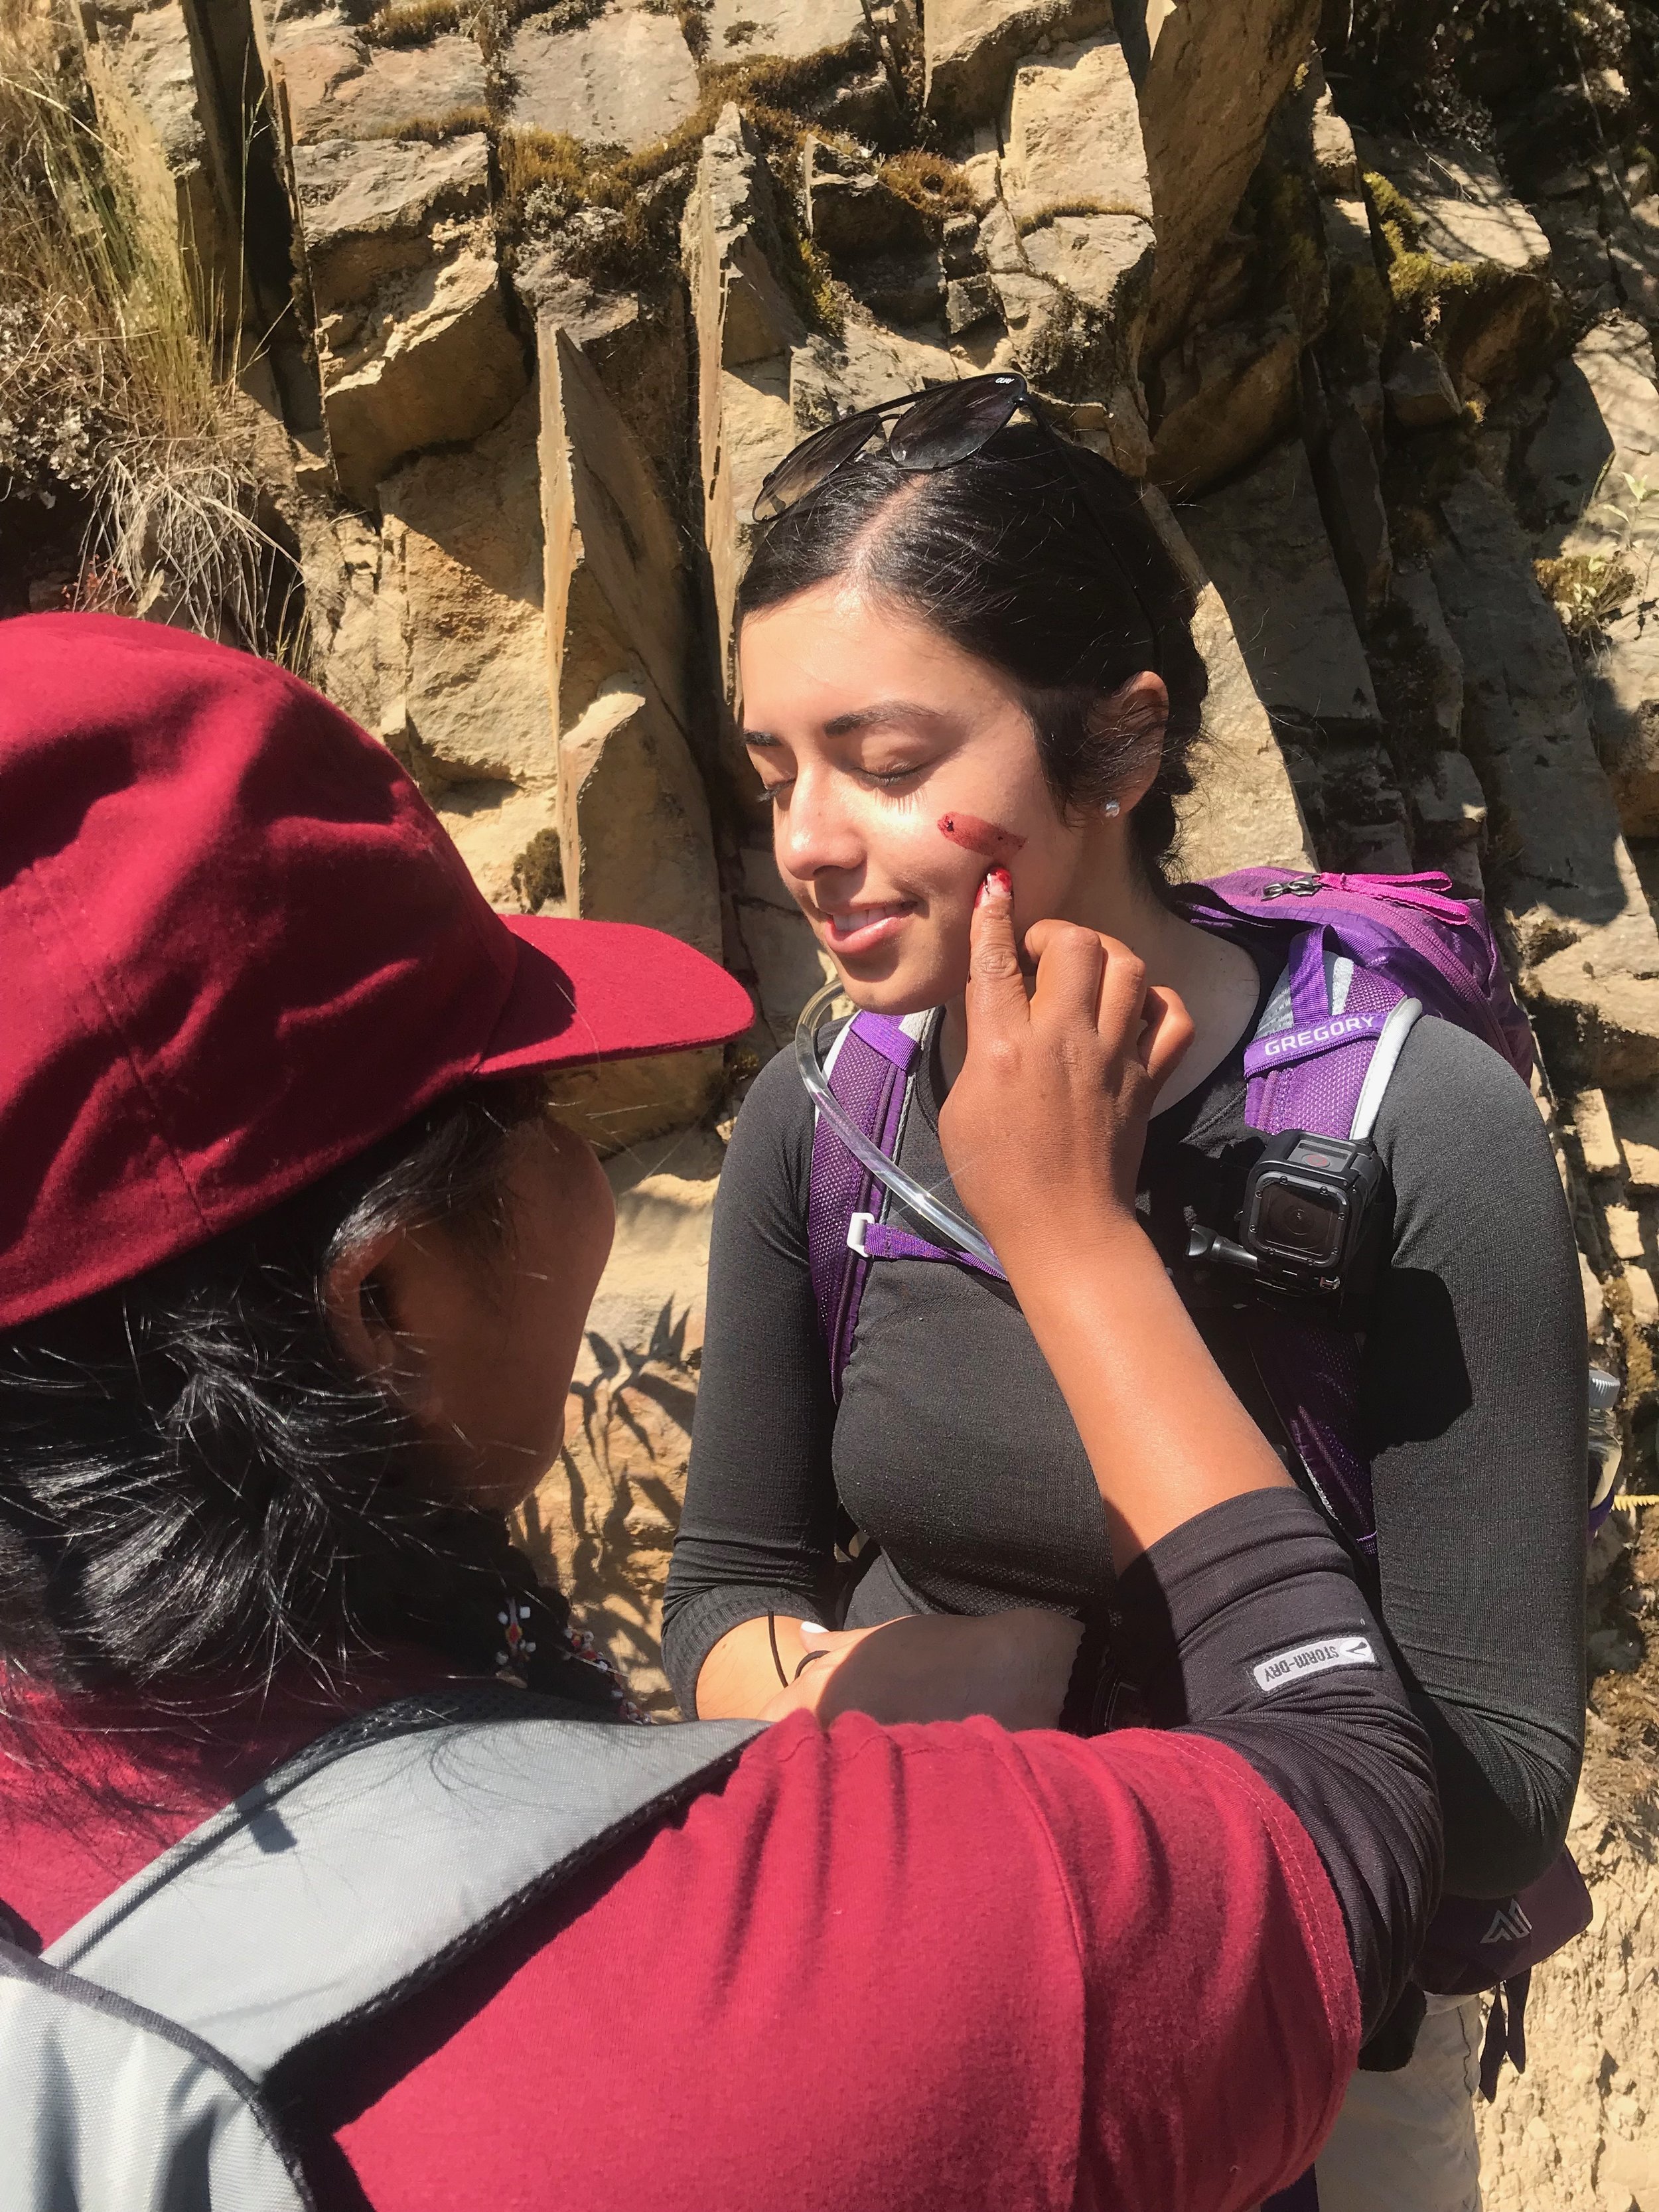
(1364, 944)
(872, 1064)
(871, 1074)
(1359, 947)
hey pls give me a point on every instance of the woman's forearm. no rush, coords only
(1165, 1433)
(1042, 1133)
(741, 1674)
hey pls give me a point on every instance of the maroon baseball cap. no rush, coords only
(236, 947)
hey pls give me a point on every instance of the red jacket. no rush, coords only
(919, 1967)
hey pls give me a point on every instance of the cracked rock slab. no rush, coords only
(1072, 135)
(333, 84)
(465, 557)
(435, 364)
(970, 46)
(414, 346)
(1570, 892)
(743, 30)
(369, 212)
(1228, 393)
(1244, 811)
(1590, 474)
(1263, 542)
(625, 79)
(1212, 80)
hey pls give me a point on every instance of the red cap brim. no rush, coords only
(608, 990)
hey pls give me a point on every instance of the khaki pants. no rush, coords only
(1405, 2141)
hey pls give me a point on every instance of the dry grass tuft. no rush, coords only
(110, 390)
(434, 129)
(495, 21)
(413, 22)
(692, 16)
(619, 212)
(1587, 591)
(935, 186)
(1055, 210)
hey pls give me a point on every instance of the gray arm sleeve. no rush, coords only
(1474, 1415)
(757, 1532)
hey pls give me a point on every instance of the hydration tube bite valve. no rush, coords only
(864, 1149)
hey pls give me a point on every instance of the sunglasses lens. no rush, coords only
(956, 420)
(807, 466)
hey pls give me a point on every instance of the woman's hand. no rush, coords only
(1043, 1128)
(1043, 1133)
(1012, 1666)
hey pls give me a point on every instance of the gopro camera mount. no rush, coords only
(1315, 1208)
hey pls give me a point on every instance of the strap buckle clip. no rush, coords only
(856, 1229)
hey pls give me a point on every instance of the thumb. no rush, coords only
(996, 988)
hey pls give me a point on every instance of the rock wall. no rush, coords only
(567, 279)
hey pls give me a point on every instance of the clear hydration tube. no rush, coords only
(864, 1149)
(1607, 1444)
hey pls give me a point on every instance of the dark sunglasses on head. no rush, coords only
(928, 431)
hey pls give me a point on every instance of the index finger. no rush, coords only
(996, 988)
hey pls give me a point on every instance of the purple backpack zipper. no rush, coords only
(1356, 947)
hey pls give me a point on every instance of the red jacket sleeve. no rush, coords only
(889, 1968)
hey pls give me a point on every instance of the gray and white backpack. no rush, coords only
(144, 2057)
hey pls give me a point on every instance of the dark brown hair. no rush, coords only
(1003, 554)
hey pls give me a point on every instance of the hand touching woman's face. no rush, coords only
(898, 768)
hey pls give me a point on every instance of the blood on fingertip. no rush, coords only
(998, 884)
(982, 837)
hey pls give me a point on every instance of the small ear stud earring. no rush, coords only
(1112, 807)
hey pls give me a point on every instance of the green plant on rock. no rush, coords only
(1587, 591)
(1633, 516)
(1359, 306)
(617, 210)
(812, 282)
(1291, 247)
(1422, 286)
(788, 84)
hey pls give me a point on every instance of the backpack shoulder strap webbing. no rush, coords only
(870, 1071)
(369, 1865)
(107, 2107)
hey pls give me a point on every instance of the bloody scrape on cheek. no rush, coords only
(982, 838)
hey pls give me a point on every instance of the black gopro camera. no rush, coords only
(1312, 1221)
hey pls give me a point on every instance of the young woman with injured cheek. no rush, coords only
(988, 672)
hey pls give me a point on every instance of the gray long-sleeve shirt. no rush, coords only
(953, 1448)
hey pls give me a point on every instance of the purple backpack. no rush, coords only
(1364, 955)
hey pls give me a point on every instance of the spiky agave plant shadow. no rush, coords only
(603, 1524)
